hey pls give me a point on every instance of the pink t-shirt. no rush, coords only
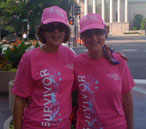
(47, 78)
(101, 86)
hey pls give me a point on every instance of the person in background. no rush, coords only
(104, 81)
(25, 36)
(45, 75)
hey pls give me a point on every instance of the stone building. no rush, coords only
(117, 14)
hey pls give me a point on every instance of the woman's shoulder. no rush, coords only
(81, 58)
(31, 53)
(120, 56)
(64, 49)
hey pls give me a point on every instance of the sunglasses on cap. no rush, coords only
(50, 27)
(89, 33)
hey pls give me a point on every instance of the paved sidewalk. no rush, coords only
(4, 110)
(139, 107)
(139, 110)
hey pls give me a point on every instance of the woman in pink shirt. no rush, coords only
(104, 81)
(45, 75)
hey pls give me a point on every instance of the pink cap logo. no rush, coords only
(56, 11)
(54, 14)
(91, 21)
(90, 17)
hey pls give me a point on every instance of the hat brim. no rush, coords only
(92, 26)
(54, 20)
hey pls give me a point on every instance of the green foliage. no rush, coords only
(134, 28)
(37, 45)
(14, 55)
(3, 62)
(13, 12)
(137, 21)
(11, 126)
(0, 49)
(143, 24)
(9, 61)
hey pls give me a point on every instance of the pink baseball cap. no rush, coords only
(54, 14)
(91, 21)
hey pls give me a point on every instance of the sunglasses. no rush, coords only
(52, 27)
(91, 32)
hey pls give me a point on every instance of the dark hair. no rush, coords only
(41, 30)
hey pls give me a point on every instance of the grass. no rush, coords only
(11, 125)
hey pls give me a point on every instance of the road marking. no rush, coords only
(129, 50)
(132, 45)
(7, 123)
(139, 90)
(125, 41)
(84, 50)
(140, 81)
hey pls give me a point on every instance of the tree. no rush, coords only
(137, 21)
(143, 24)
(16, 14)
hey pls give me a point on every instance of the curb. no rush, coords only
(7, 122)
(124, 41)
(140, 81)
(139, 89)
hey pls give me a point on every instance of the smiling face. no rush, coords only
(94, 40)
(54, 34)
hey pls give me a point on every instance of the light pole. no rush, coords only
(0, 29)
(145, 27)
(76, 12)
(28, 25)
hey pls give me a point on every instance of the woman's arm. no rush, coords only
(128, 108)
(18, 112)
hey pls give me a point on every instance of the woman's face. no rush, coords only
(94, 40)
(54, 33)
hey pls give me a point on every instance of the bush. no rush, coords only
(9, 59)
(137, 21)
(134, 28)
(143, 24)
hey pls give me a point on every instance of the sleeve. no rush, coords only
(127, 79)
(73, 54)
(23, 83)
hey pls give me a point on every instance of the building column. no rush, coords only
(111, 11)
(126, 10)
(119, 15)
(85, 7)
(103, 10)
(94, 6)
(78, 1)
